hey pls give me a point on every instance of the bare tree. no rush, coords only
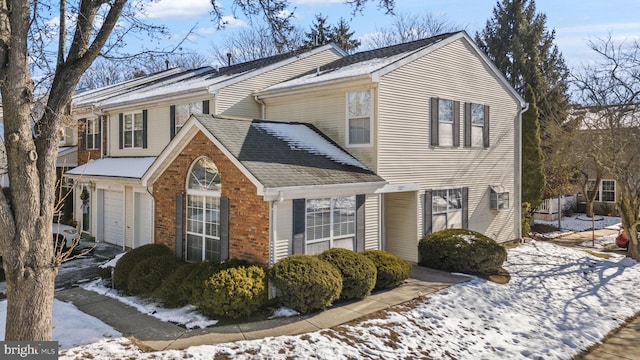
(407, 27)
(102, 73)
(610, 91)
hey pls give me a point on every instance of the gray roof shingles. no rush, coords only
(274, 163)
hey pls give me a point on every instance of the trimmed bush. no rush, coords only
(461, 250)
(392, 270)
(234, 292)
(133, 257)
(149, 273)
(168, 293)
(358, 272)
(306, 283)
(191, 289)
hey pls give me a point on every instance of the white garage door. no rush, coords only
(143, 220)
(113, 212)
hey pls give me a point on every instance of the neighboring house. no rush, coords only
(435, 119)
(124, 127)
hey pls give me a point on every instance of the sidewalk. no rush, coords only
(160, 335)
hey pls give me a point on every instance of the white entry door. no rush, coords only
(113, 215)
(143, 222)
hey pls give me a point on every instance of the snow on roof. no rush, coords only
(115, 167)
(356, 69)
(301, 137)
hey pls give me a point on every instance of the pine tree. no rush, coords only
(320, 32)
(533, 178)
(341, 36)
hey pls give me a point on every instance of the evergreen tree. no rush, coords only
(320, 33)
(533, 178)
(517, 42)
(341, 36)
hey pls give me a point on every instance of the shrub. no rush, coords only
(306, 283)
(234, 292)
(392, 270)
(168, 293)
(191, 289)
(461, 250)
(131, 258)
(358, 272)
(149, 273)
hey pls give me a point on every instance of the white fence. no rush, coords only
(548, 210)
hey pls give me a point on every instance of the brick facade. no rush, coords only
(84, 155)
(248, 213)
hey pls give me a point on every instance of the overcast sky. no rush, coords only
(575, 22)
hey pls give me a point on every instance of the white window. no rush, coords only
(608, 190)
(499, 198)
(183, 111)
(445, 122)
(330, 223)
(92, 136)
(446, 209)
(133, 133)
(359, 118)
(203, 212)
(477, 125)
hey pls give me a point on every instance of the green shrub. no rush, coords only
(191, 289)
(306, 283)
(105, 272)
(168, 293)
(461, 250)
(145, 277)
(234, 292)
(133, 257)
(358, 272)
(392, 270)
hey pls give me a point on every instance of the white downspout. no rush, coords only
(263, 110)
(523, 109)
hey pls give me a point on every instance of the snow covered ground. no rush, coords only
(580, 222)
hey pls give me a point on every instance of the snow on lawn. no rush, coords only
(71, 327)
(187, 316)
(580, 222)
(559, 301)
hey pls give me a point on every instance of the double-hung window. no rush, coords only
(476, 125)
(608, 190)
(330, 222)
(133, 132)
(92, 134)
(359, 118)
(183, 111)
(446, 209)
(445, 123)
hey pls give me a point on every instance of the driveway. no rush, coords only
(84, 268)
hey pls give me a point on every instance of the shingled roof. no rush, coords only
(287, 154)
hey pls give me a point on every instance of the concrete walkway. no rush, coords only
(160, 335)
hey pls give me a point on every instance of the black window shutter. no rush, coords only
(426, 212)
(299, 225)
(179, 221)
(360, 222)
(467, 124)
(434, 122)
(456, 123)
(224, 228)
(172, 121)
(98, 137)
(121, 129)
(485, 134)
(465, 207)
(144, 129)
(205, 106)
(83, 135)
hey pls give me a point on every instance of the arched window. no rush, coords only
(203, 212)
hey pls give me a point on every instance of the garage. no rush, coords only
(113, 217)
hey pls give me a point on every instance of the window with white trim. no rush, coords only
(330, 223)
(608, 190)
(477, 125)
(133, 132)
(359, 117)
(446, 209)
(92, 134)
(203, 212)
(445, 122)
(184, 111)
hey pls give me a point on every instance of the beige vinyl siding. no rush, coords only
(157, 132)
(284, 228)
(325, 109)
(372, 228)
(401, 228)
(238, 100)
(453, 72)
(128, 216)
